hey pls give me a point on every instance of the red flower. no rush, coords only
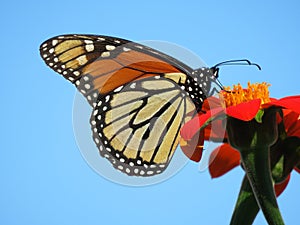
(245, 107)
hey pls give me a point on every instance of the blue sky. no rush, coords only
(45, 179)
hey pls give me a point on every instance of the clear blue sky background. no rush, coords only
(43, 177)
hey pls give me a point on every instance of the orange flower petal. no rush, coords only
(292, 124)
(223, 159)
(291, 102)
(279, 188)
(193, 148)
(191, 127)
(245, 111)
(215, 131)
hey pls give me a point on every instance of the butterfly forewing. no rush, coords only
(99, 64)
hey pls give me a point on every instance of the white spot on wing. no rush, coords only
(105, 54)
(110, 47)
(133, 85)
(150, 172)
(120, 167)
(138, 46)
(54, 42)
(118, 89)
(76, 73)
(95, 112)
(126, 49)
(88, 42)
(89, 48)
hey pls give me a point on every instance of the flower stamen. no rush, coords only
(238, 94)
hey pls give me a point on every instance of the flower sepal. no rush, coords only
(262, 130)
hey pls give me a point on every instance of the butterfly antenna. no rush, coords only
(237, 62)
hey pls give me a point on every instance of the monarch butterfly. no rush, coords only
(140, 96)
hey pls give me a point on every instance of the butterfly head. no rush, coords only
(207, 78)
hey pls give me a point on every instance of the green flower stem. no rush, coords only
(253, 140)
(246, 207)
(256, 164)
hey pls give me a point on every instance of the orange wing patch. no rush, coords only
(108, 74)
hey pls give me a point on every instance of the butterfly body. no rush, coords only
(140, 97)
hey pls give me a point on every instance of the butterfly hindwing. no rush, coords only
(136, 126)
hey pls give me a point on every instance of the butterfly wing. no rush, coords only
(136, 126)
(99, 64)
(137, 94)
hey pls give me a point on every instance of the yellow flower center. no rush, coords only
(237, 94)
